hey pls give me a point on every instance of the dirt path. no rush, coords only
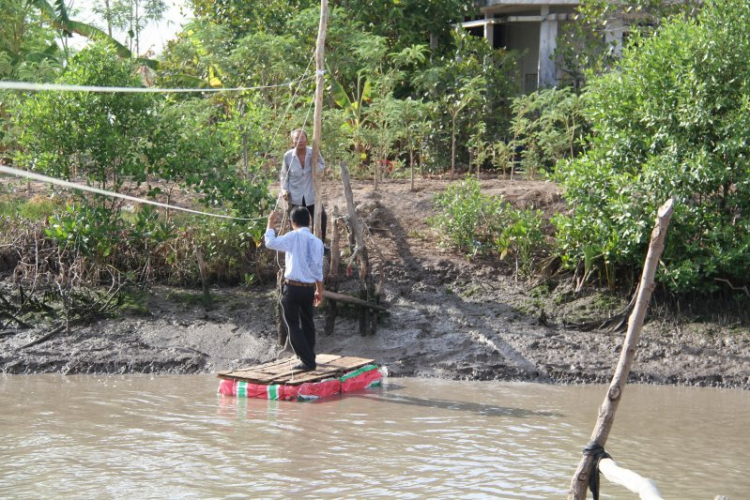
(449, 317)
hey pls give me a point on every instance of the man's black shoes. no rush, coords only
(302, 367)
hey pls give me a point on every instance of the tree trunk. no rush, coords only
(204, 278)
(108, 17)
(612, 399)
(411, 167)
(332, 280)
(367, 319)
(453, 148)
(136, 29)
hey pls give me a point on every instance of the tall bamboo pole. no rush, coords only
(607, 410)
(318, 114)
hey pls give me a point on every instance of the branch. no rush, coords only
(735, 288)
(44, 337)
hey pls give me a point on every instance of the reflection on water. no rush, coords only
(174, 437)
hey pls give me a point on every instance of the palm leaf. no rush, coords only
(94, 33)
(58, 16)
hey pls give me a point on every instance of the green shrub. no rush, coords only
(467, 219)
(521, 237)
(672, 121)
(548, 126)
(90, 231)
(229, 251)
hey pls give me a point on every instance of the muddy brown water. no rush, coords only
(174, 437)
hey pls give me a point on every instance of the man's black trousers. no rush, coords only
(323, 218)
(297, 302)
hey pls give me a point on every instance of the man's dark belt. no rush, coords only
(297, 283)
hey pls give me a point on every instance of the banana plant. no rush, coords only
(57, 15)
(353, 105)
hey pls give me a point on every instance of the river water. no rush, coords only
(174, 437)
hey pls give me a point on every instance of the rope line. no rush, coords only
(60, 87)
(595, 450)
(113, 194)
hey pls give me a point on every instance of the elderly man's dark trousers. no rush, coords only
(323, 218)
(297, 302)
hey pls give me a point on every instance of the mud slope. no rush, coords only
(449, 317)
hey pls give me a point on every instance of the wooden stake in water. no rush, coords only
(579, 484)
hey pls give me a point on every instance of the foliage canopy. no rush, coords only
(670, 121)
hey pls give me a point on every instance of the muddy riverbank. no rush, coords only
(448, 317)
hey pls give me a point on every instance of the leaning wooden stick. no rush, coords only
(579, 484)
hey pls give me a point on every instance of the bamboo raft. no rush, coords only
(277, 380)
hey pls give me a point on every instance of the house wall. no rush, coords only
(531, 28)
(524, 38)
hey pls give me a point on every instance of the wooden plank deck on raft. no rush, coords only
(281, 372)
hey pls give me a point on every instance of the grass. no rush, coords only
(36, 209)
(189, 298)
(133, 303)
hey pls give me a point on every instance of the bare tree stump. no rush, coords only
(204, 278)
(367, 318)
(332, 280)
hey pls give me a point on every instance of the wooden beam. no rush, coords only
(352, 300)
(580, 481)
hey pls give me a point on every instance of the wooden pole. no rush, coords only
(318, 114)
(580, 481)
(281, 331)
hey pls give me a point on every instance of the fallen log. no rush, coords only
(352, 300)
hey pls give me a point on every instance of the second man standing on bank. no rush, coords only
(297, 177)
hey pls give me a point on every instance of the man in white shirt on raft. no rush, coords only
(303, 281)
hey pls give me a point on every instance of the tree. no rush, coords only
(28, 52)
(101, 135)
(416, 124)
(59, 18)
(473, 85)
(250, 16)
(671, 121)
(548, 126)
(110, 139)
(132, 16)
(410, 22)
(584, 44)
(103, 8)
(23, 37)
(467, 91)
